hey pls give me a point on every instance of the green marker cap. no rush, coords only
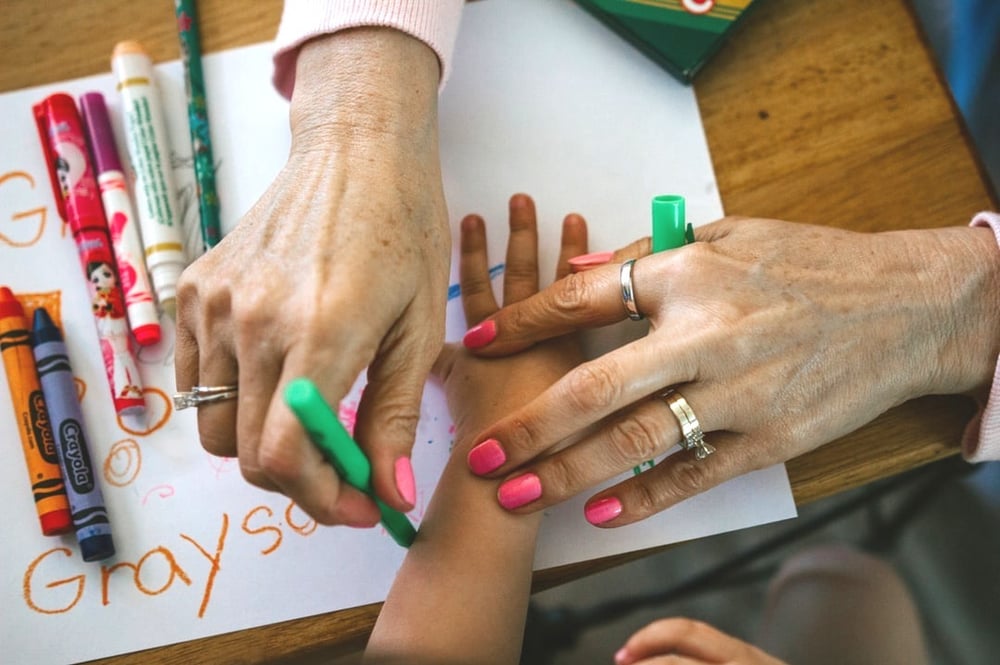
(342, 452)
(669, 228)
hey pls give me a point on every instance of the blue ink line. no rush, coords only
(455, 290)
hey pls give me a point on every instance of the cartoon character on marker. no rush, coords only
(113, 331)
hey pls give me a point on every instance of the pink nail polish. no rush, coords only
(519, 491)
(622, 656)
(603, 510)
(588, 261)
(486, 457)
(481, 335)
(406, 485)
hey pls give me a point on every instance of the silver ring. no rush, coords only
(199, 395)
(694, 438)
(628, 291)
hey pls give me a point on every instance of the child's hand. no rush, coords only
(481, 390)
(690, 642)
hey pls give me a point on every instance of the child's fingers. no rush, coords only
(474, 272)
(574, 243)
(520, 278)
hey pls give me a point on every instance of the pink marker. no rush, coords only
(75, 189)
(122, 223)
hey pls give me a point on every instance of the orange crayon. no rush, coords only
(32, 418)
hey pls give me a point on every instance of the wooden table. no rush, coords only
(832, 113)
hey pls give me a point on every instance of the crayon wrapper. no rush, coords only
(33, 424)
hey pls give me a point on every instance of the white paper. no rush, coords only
(543, 99)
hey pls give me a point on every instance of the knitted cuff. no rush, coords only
(982, 436)
(434, 23)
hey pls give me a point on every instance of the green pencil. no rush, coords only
(201, 140)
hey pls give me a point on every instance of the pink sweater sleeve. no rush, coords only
(435, 22)
(982, 436)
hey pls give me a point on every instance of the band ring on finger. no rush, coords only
(694, 438)
(628, 290)
(199, 395)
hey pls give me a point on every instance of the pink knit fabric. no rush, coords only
(435, 22)
(982, 437)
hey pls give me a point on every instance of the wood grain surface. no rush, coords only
(825, 112)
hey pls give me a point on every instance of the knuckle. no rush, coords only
(572, 296)
(255, 477)
(561, 478)
(276, 462)
(595, 385)
(645, 500)
(692, 628)
(520, 273)
(216, 444)
(519, 437)
(636, 438)
(688, 477)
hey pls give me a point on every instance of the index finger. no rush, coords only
(581, 300)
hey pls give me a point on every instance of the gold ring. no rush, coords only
(694, 438)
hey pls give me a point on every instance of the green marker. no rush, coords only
(325, 430)
(669, 228)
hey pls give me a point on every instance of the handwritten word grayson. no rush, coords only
(170, 567)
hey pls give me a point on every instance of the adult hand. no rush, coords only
(341, 265)
(687, 642)
(780, 336)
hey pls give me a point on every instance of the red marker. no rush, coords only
(32, 418)
(78, 200)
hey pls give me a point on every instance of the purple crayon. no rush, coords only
(86, 503)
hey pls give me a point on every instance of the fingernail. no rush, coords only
(480, 335)
(588, 261)
(603, 510)
(518, 491)
(487, 456)
(406, 485)
(621, 656)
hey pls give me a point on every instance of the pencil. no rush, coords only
(201, 140)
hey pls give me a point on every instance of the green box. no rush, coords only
(679, 35)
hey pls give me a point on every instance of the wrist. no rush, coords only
(960, 271)
(362, 85)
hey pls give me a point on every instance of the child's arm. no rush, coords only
(462, 592)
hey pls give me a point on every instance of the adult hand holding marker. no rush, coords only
(277, 300)
(340, 450)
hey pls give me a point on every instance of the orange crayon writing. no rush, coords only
(158, 410)
(23, 238)
(69, 601)
(49, 589)
(303, 529)
(123, 463)
(263, 529)
(213, 560)
(173, 571)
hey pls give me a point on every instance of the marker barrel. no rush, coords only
(326, 431)
(122, 222)
(61, 132)
(33, 425)
(86, 503)
(149, 151)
